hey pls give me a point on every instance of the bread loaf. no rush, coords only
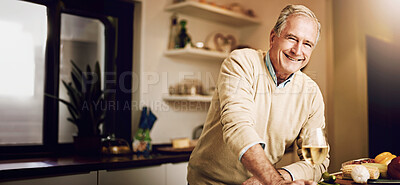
(381, 167)
(180, 143)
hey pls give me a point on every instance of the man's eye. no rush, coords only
(308, 45)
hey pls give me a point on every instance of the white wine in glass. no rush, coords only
(315, 154)
(314, 146)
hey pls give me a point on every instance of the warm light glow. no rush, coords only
(17, 66)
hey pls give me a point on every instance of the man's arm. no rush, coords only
(255, 160)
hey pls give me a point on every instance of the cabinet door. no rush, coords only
(80, 179)
(176, 173)
(154, 175)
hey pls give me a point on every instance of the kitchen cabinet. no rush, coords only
(166, 174)
(138, 176)
(176, 173)
(76, 179)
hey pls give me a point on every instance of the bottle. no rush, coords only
(140, 134)
(183, 38)
(173, 32)
(137, 144)
(147, 140)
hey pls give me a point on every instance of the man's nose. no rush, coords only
(297, 49)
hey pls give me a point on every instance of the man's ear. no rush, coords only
(272, 37)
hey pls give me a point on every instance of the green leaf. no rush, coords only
(89, 80)
(74, 97)
(61, 100)
(74, 114)
(72, 120)
(76, 67)
(77, 80)
(98, 82)
(72, 94)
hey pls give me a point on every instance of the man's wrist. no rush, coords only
(285, 175)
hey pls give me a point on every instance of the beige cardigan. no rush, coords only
(247, 108)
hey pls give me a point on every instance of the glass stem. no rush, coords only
(313, 178)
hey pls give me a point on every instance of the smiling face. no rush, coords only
(291, 50)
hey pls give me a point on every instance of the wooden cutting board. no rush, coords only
(345, 181)
(340, 180)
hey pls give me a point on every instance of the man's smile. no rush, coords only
(293, 59)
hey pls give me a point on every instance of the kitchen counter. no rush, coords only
(53, 166)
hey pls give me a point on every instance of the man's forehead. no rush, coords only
(301, 26)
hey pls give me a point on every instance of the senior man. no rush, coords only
(262, 105)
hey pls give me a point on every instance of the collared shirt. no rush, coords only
(273, 74)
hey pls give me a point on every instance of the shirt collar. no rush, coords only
(273, 75)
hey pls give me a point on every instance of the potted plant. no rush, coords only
(84, 105)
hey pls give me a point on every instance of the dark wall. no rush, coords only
(383, 96)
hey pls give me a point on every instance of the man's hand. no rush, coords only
(301, 182)
(255, 181)
(252, 181)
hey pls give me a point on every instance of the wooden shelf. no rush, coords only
(191, 98)
(213, 13)
(193, 53)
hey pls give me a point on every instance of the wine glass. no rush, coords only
(314, 147)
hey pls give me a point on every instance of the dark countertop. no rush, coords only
(52, 166)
